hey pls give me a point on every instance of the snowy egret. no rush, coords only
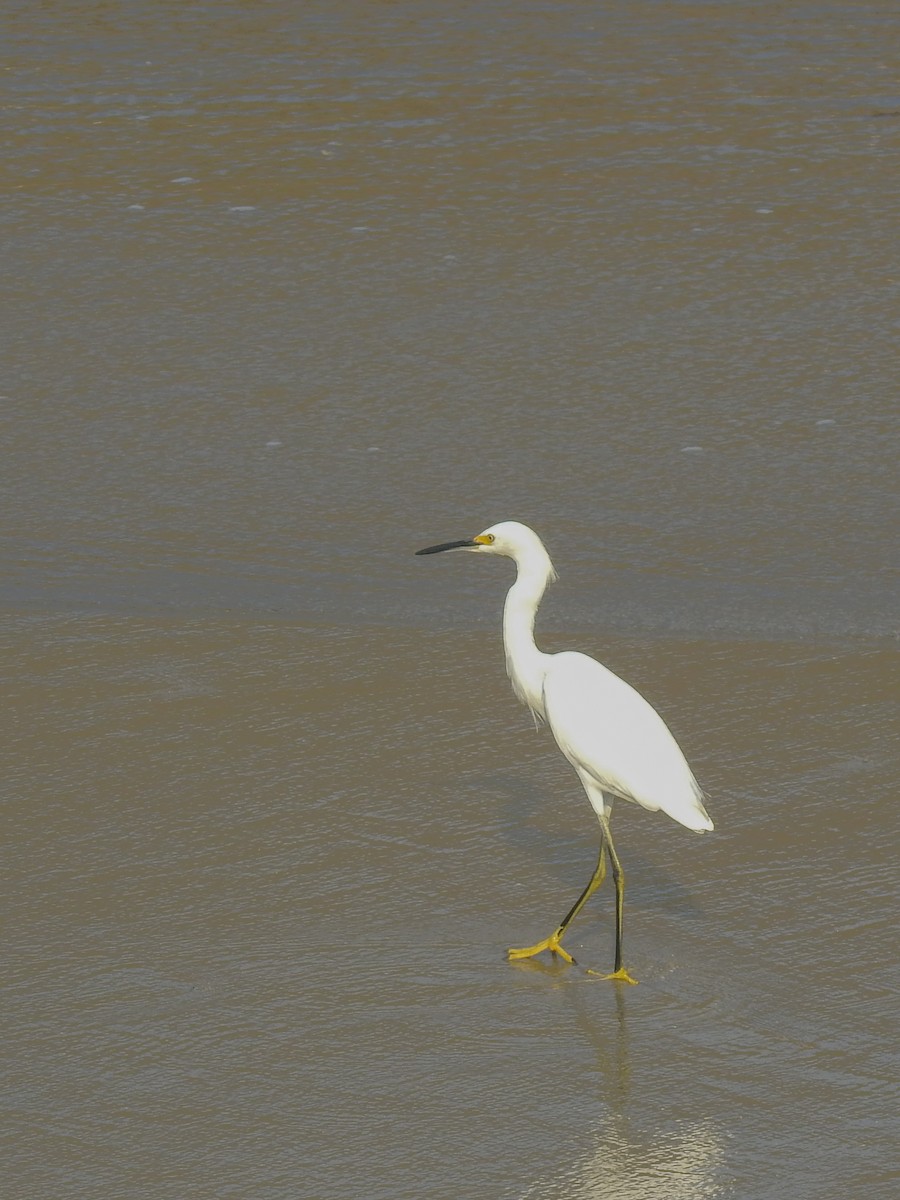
(618, 744)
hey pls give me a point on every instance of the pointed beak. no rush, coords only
(465, 544)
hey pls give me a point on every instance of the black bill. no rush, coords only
(466, 544)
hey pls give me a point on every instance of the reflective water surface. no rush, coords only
(292, 291)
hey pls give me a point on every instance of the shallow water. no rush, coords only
(293, 293)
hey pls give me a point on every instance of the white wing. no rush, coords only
(608, 730)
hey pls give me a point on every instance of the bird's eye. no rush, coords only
(489, 538)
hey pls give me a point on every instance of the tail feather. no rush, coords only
(693, 815)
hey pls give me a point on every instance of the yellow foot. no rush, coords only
(621, 975)
(551, 943)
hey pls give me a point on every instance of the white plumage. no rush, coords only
(618, 744)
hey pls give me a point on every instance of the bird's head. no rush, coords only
(510, 539)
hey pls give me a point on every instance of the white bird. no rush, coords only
(618, 744)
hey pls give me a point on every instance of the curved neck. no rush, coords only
(525, 664)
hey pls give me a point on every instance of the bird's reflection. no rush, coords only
(619, 1158)
(608, 1042)
(682, 1163)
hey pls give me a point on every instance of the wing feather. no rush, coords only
(607, 729)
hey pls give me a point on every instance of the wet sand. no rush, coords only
(291, 295)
